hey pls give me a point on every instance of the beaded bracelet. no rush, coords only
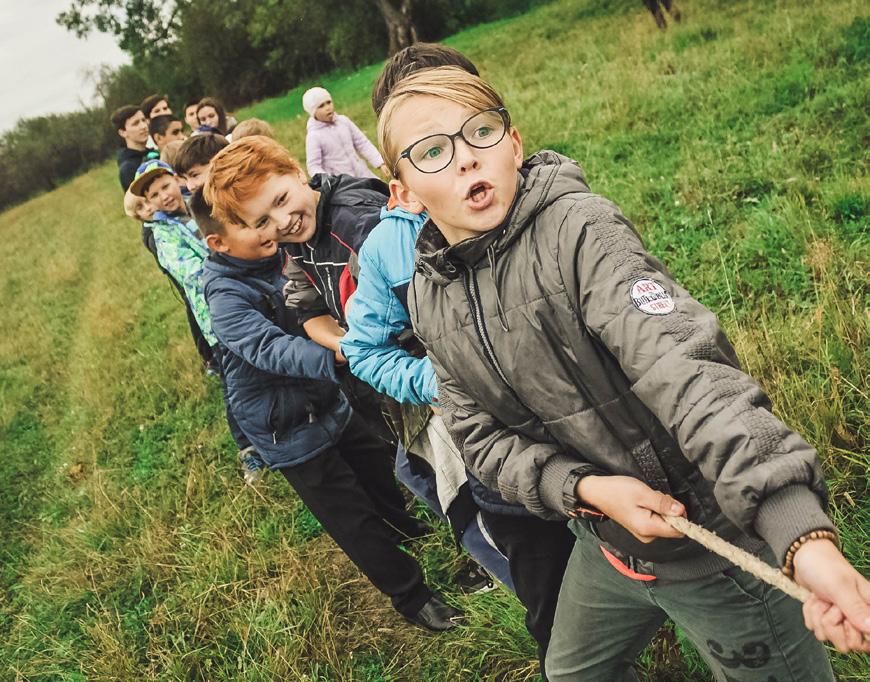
(788, 566)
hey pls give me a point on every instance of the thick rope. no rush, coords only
(738, 557)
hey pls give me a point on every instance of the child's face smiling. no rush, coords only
(247, 243)
(475, 191)
(164, 194)
(285, 203)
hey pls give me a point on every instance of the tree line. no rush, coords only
(237, 50)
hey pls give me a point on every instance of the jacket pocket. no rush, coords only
(286, 412)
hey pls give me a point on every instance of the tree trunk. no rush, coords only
(400, 28)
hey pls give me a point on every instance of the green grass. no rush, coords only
(132, 551)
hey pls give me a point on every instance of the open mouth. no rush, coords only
(480, 195)
(293, 228)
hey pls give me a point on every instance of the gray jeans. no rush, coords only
(745, 630)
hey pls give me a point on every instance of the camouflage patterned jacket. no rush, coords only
(182, 252)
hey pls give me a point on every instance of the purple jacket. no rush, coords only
(334, 149)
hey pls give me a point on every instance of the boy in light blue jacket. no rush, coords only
(378, 323)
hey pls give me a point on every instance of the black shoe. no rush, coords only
(436, 615)
(472, 579)
(410, 532)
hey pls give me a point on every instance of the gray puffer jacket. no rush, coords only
(563, 348)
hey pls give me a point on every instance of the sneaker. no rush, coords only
(212, 368)
(473, 579)
(253, 468)
(436, 616)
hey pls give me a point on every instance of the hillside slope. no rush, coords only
(734, 141)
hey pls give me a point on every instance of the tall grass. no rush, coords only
(736, 142)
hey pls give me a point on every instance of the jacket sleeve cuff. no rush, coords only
(788, 514)
(558, 481)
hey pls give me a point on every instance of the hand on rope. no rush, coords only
(835, 596)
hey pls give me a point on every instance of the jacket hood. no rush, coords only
(543, 178)
(329, 186)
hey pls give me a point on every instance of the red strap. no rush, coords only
(346, 286)
(625, 570)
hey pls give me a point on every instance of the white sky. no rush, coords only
(42, 66)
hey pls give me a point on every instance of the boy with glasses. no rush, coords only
(381, 349)
(585, 383)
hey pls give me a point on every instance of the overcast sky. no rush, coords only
(42, 66)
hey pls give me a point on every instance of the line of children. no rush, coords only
(287, 391)
(175, 241)
(584, 383)
(578, 379)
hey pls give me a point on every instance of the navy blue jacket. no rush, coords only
(281, 386)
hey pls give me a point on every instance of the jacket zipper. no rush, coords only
(327, 283)
(473, 294)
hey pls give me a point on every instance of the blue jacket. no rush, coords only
(282, 387)
(379, 313)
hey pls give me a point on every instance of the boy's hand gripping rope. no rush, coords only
(739, 557)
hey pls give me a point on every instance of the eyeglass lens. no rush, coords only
(434, 153)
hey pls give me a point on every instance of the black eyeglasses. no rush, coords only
(435, 152)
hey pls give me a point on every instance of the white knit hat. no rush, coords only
(313, 98)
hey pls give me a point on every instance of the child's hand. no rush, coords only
(632, 504)
(839, 610)
(339, 358)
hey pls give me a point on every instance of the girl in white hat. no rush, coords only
(334, 143)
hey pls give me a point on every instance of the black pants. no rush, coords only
(351, 490)
(537, 553)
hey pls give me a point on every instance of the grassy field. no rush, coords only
(131, 550)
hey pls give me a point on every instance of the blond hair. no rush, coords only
(170, 152)
(444, 82)
(239, 170)
(136, 207)
(253, 126)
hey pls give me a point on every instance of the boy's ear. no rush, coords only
(517, 142)
(215, 242)
(404, 197)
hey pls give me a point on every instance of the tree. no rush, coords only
(400, 26)
(143, 27)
